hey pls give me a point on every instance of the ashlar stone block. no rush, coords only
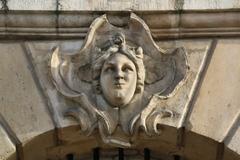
(21, 102)
(210, 4)
(234, 140)
(7, 148)
(43, 5)
(41, 55)
(197, 51)
(117, 5)
(218, 102)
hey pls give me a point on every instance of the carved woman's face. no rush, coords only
(118, 80)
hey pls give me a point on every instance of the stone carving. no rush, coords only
(115, 81)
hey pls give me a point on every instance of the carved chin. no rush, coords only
(118, 99)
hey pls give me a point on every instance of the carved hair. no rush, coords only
(118, 45)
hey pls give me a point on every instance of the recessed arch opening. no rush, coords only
(166, 147)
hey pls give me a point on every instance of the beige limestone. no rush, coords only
(21, 102)
(32, 5)
(213, 113)
(234, 141)
(210, 4)
(41, 51)
(41, 54)
(196, 52)
(106, 79)
(117, 5)
(18, 21)
(7, 148)
(218, 100)
(113, 5)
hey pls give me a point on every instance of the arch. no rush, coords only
(173, 143)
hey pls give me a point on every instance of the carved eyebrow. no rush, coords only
(110, 63)
(128, 66)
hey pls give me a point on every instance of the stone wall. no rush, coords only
(114, 5)
(32, 125)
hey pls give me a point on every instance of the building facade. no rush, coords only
(130, 79)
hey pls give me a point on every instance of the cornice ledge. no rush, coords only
(163, 24)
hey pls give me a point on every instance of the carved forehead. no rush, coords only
(119, 58)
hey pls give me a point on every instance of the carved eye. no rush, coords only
(109, 69)
(127, 68)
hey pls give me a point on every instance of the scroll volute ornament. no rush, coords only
(116, 79)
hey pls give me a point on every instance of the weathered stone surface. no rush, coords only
(213, 113)
(21, 102)
(47, 22)
(234, 141)
(117, 5)
(196, 50)
(41, 54)
(121, 76)
(75, 25)
(210, 4)
(178, 102)
(70, 5)
(218, 100)
(7, 148)
(32, 5)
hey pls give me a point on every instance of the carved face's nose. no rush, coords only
(119, 74)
